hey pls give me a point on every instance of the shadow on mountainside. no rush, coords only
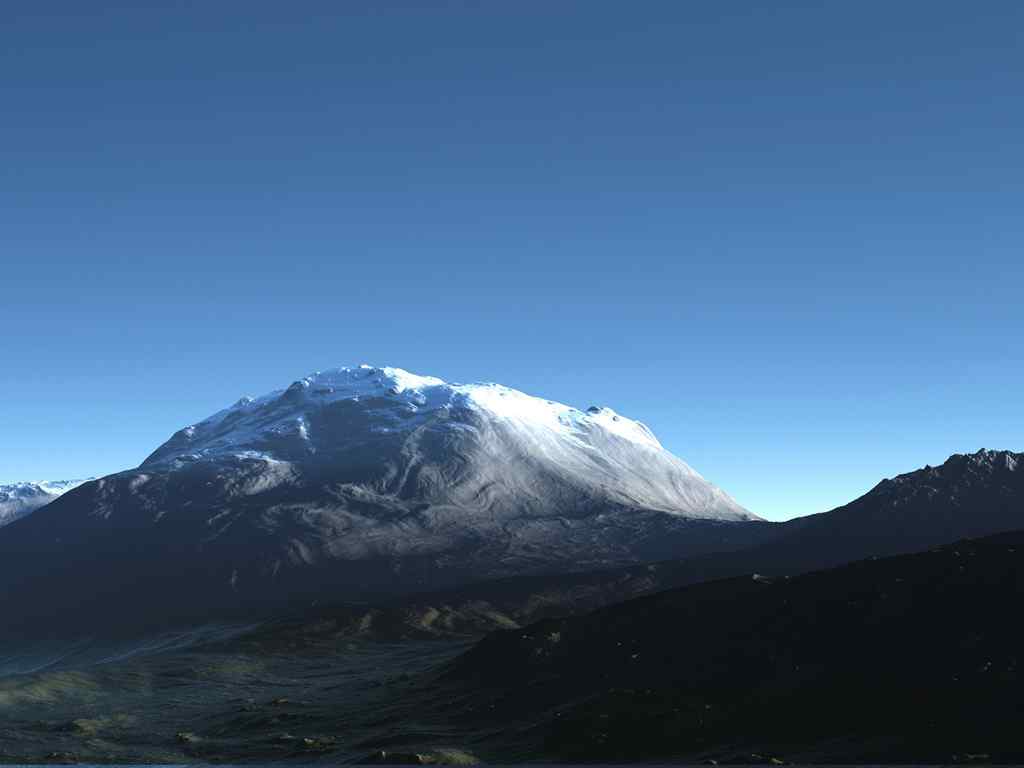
(906, 659)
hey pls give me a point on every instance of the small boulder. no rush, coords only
(399, 758)
(62, 757)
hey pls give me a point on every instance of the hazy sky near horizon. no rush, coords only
(787, 236)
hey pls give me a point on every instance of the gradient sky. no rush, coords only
(787, 236)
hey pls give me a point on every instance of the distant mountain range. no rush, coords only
(20, 499)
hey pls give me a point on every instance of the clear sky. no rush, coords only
(787, 236)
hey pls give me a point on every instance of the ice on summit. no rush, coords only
(374, 426)
(365, 381)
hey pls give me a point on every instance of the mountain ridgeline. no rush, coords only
(967, 496)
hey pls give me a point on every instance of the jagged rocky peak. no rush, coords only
(989, 460)
(980, 465)
(972, 493)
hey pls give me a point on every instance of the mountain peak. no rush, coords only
(995, 459)
(277, 425)
(363, 481)
(982, 463)
(368, 425)
(974, 494)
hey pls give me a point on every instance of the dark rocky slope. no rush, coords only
(968, 495)
(913, 658)
(906, 659)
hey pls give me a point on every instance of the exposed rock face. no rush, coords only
(967, 495)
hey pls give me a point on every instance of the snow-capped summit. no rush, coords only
(20, 499)
(397, 399)
(334, 417)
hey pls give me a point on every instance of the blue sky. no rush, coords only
(786, 236)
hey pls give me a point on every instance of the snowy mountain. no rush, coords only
(359, 482)
(20, 499)
(471, 446)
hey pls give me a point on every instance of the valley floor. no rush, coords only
(913, 659)
(226, 705)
